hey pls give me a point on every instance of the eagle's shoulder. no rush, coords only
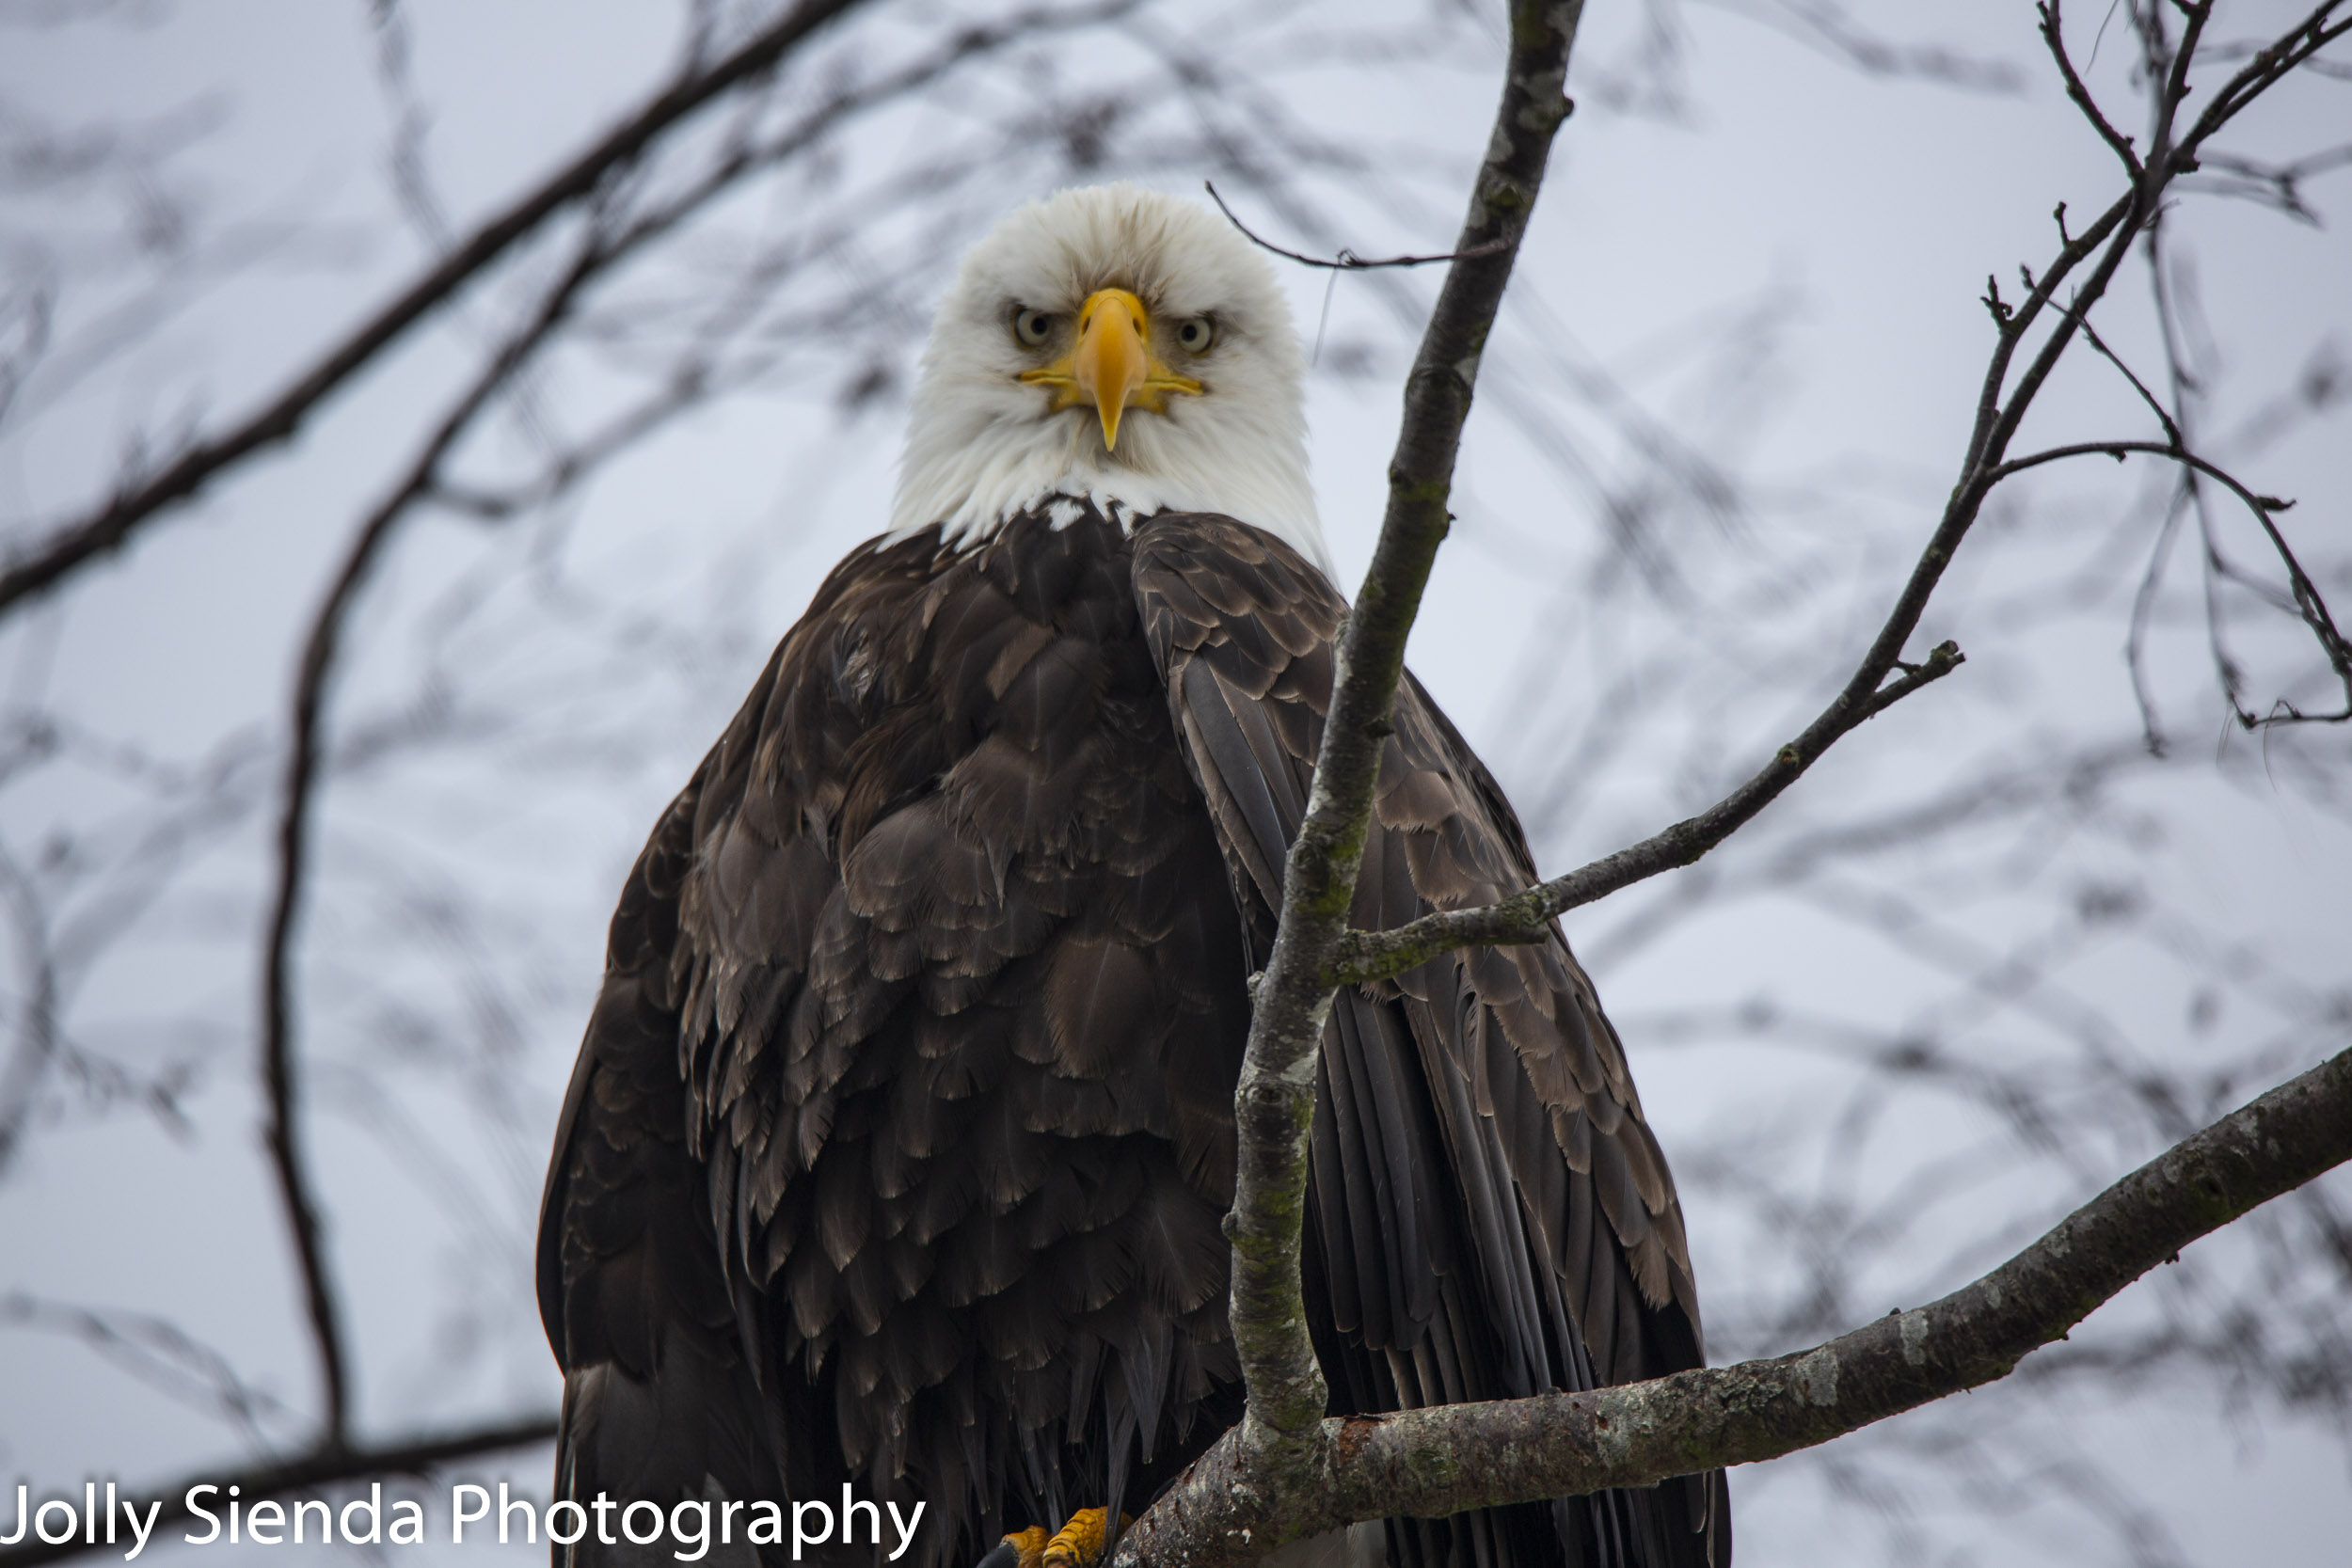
(1243, 627)
(954, 1005)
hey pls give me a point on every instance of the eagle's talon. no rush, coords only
(1020, 1550)
(1078, 1543)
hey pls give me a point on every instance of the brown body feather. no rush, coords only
(899, 1141)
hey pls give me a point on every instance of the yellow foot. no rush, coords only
(1076, 1544)
(1029, 1543)
(1079, 1542)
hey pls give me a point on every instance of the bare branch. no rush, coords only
(2278, 185)
(1362, 956)
(145, 496)
(1429, 1463)
(1346, 261)
(2017, 323)
(2164, 416)
(1275, 1100)
(304, 757)
(2292, 49)
(1267, 1473)
(1359, 957)
(158, 1353)
(1942, 661)
(1828, 28)
(2053, 36)
(36, 1026)
(2264, 509)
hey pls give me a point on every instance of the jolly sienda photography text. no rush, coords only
(691, 1527)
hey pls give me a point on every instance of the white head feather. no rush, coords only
(983, 446)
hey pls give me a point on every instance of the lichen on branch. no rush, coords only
(1447, 1458)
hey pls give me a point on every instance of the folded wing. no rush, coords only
(1491, 1215)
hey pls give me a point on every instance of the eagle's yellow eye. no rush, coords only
(1194, 336)
(1032, 326)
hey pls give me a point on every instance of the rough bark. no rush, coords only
(1442, 1460)
(1286, 1471)
(1275, 1101)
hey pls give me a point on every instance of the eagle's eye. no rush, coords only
(1032, 326)
(1196, 335)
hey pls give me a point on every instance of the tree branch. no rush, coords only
(2015, 324)
(2164, 416)
(1277, 1459)
(322, 1467)
(608, 239)
(143, 498)
(1360, 957)
(1345, 260)
(2309, 603)
(2054, 38)
(1275, 1100)
(1435, 1462)
(304, 756)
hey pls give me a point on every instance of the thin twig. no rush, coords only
(305, 756)
(2307, 598)
(37, 1025)
(2053, 36)
(2164, 416)
(1942, 661)
(2293, 48)
(1347, 260)
(1362, 956)
(2279, 186)
(2144, 600)
(159, 1354)
(2016, 322)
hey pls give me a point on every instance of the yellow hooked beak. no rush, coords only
(1111, 364)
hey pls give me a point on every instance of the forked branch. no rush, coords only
(1274, 1105)
(305, 760)
(1882, 677)
(1287, 1472)
(1441, 1460)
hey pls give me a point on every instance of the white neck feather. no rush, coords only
(972, 476)
(981, 447)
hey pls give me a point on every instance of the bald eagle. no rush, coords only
(893, 1164)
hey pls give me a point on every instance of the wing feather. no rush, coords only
(657, 1400)
(1491, 1214)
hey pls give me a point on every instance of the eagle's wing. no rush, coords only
(658, 1401)
(1493, 1216)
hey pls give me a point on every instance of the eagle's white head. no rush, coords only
(1119, 344)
